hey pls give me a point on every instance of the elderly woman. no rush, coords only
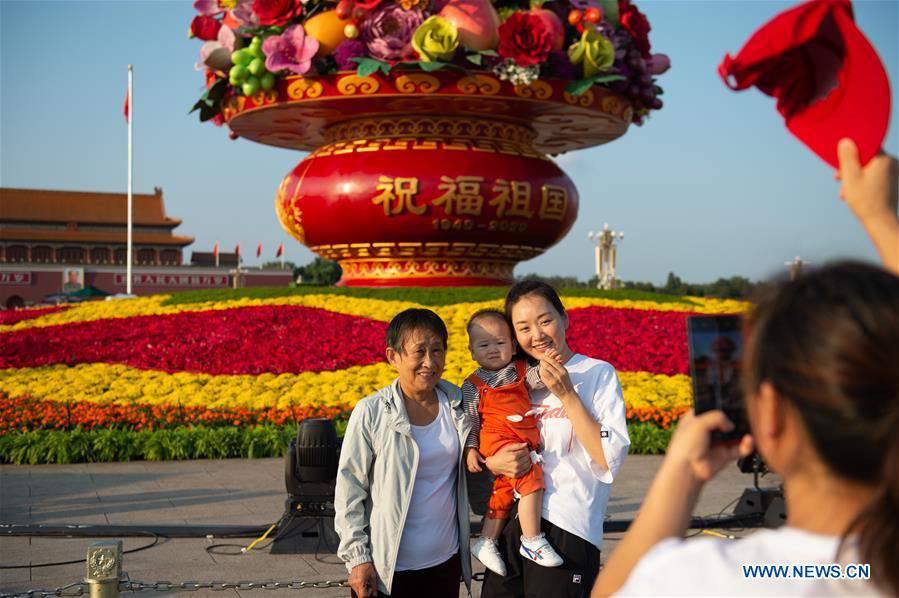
(401, 500)
(583, 430)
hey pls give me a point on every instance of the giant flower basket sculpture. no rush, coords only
(429, 124)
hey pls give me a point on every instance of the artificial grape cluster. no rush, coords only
(249, 74)
(639, 85)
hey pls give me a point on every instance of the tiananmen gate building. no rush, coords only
(57, 241)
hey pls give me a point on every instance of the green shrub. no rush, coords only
(198, 442)
(424, 296)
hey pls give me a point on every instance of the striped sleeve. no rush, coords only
(532, 378)
(470, 399)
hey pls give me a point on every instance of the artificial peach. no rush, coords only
(476, 21)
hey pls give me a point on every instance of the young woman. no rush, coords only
(821, 381)
(583, 430)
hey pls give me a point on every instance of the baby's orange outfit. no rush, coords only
(494, 405)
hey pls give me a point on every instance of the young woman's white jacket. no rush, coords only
(379, 458)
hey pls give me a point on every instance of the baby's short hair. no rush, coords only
(486, 313)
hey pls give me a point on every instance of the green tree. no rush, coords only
(320, 272)
(277, 266)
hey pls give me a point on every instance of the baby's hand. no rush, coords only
(473, 459)
(553, 354)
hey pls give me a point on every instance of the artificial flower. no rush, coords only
(525, 39)
(276, 12)
(435, 40)
(410, 4)
(208, 8)
(387, 32)
(593, 52)
(507, 70)
(635, 23)
(205, 28)
(243, 14)
(293, 50)
(346, 51)
(217, 54)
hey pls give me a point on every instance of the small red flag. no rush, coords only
(280, 250)
(259, 250)
(215, 249)
(237, 250)
(127, 109)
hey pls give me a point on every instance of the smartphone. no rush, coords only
(716, 348)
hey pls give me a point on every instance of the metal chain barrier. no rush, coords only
(81, 588)
(105, 578)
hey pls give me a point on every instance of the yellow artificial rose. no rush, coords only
(593, 51)
(435, 40)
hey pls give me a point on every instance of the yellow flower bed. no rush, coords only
(105, 383)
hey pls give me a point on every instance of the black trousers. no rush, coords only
(526, 579)
(439, 581)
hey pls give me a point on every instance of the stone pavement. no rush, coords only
(226, 492)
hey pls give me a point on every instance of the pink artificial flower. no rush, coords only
(243, 14)
(293, 50)
(216, 54)
(208, 8)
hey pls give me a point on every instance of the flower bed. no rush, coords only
(175, 367)
(9, 317)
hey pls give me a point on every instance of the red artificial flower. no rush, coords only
(276, 12)
(525, 38)
(635, 23)
(205, 28)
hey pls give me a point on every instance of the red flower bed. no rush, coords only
(9, 317)
(632, 340)
(248, 340)
(30, 414)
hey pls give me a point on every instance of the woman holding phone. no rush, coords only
(822, 398)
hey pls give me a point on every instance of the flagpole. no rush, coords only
(130, 179)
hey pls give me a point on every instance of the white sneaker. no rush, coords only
(540, 551)
(485, 550)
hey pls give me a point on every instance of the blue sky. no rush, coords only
(711, 186)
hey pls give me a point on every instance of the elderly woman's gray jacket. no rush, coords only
(378, 461)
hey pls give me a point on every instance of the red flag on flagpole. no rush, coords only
(237, 250)
(127, 109)
(215, 249)
(259, 250)
(280, 250)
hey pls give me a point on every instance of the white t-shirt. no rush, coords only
(431, 532)
(714, 567)
(577, 489)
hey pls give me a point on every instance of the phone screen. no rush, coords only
(716, 347)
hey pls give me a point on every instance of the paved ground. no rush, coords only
(232, 492)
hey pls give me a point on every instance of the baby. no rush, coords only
(496, 398)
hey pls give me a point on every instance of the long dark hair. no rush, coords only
(532, 287)
(829, 342)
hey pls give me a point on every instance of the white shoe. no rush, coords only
(540, 551)
(486, 551)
